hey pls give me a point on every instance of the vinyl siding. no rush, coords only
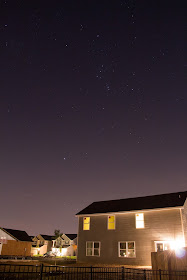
(5, 235)
(159, 225)
(184, 219)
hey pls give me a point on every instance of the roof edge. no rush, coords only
(9, 234)
(131, 211)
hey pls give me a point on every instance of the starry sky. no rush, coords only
(92, 106)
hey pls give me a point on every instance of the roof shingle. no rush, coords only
(71, 236)
(18, 234)
(47, 237)
(135, 204)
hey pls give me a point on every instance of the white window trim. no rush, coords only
(93, 248)
(83, 223)
(143, 220)
(126, 244)
(161, 241)
(114, 222)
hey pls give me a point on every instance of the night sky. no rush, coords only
(93, 106)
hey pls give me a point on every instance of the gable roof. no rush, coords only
(47, 237)
(17, 234)
(71, 236)
(136, 203)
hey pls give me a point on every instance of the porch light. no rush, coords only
(177, 244)
(60, 252)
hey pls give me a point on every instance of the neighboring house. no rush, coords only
(14, 242)
(65, 245)
(41, 244)
(126, 231)
(70, 239)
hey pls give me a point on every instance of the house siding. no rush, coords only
(184, 220)
(4, 235)
(159, 226)
(44, 242)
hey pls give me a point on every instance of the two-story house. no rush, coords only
(41, 244)
(126, 231)
(65, 240)
(65, 245)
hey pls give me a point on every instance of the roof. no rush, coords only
(135, 204)
(17, 234)
(71, 236)
(47, 237)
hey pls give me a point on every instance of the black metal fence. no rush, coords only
(41, 272)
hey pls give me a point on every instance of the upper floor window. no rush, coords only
(86, 223)
(127, 249)
(93, 248)
(140, 220)
(111, 222)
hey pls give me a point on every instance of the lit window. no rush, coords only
(111, 222)
(92, 248)
(127, 249)
(140, 220)
(161, 246)
(86, 223)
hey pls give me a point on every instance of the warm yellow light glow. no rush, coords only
(177, 244)
(59, 252)
(111, 222)
(86, 223)
(174, 244)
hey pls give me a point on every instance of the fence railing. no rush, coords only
(44, 272)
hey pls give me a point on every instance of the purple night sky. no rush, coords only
(93, 105)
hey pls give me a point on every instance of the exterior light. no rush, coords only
(177, 244)
(59, 252)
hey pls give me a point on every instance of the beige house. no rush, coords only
(14, 243)
(65, 239)
(65, 245)
(41, 244)
(126, 231)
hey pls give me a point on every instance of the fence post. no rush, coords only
(91, 272)
(122, 273)
(41, 271)
(160, 274)
(144, 272)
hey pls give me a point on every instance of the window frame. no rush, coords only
(99, 249)
(86, 223)
(126, 249)
(139, 220)
(114, 222)
(163, 242)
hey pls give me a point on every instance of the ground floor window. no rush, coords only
(127, 249)
(161, 246)
(93, 248)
